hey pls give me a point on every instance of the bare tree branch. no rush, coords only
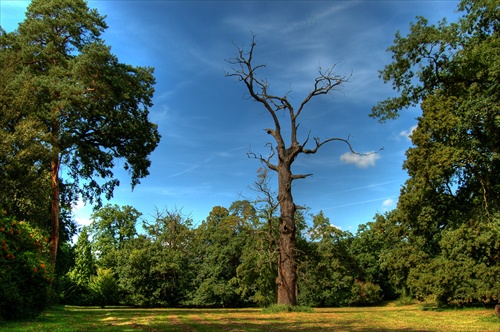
(257, 88)
(266, 161)
(244, 70)
(300, 176)
(324, 83)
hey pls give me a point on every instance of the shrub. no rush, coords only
(405, 300)
(25, 272)
(73, 293)
(365, 293)
(104, 288)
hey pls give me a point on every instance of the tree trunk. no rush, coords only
(54, 209)
(54, 194)
(287, 262)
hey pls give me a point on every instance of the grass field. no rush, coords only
(386, 318)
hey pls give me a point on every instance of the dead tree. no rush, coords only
(286, 152)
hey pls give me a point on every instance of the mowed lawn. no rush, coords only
(386, 318)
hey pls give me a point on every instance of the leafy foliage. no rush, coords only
(69, 102)
(112, 226)
(257, 272)
(466, 269)
(104, 287)
(220, 240)
(447, 212)
(59, 42)
(328, 273)
(368, 245)
(25, 272)
(85, 265)
(155, 270)
(76, 283)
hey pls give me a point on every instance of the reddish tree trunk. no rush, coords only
(54, 209)
(54, 194)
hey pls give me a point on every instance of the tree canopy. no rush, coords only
(80, 108)
(450, 200)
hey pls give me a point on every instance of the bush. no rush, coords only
(25, 272)
(365, 293)
(104, 288)
(405, 300)
(73, 293)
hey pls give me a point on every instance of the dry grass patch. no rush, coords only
(387, 318)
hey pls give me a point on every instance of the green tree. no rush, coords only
(88, 109)
(452, 71)
(104, 287)
(328, 273)
(369, 248)
(219, 243)
(257, 271)
(465, 269)
(286, 152)
(76, 283)
(85, 266)
(111, 227)
(24, 180)
(156, 268)
(134, 272)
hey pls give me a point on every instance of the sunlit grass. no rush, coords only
(277, 308)
(384, 318)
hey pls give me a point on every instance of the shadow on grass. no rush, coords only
(208, 320)
(72, 318)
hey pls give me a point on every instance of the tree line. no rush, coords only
(229, 260)
(67, 103)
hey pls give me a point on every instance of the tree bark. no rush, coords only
(287, 264)
(54, 194)
(54, 209)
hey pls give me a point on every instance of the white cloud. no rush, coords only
(388, 204)
(337, 227)
(407, 133)
(362, 161)
(81, 213)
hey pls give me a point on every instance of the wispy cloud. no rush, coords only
(408, 132)
(317, 17)
(189, 169)
(370, 186)
(229, 153)
(361, 161)
(177, 190)
(358, 203)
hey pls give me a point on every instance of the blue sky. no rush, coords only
(208, 124)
